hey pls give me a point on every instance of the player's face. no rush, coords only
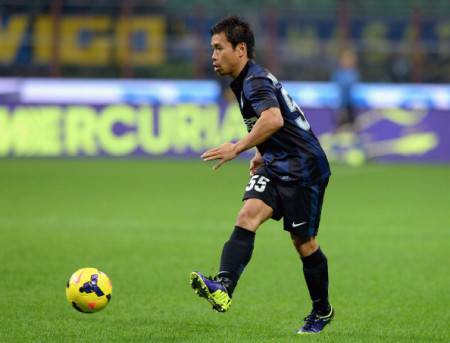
(225, 59)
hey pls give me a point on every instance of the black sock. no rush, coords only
(315, 269)
(236, 254)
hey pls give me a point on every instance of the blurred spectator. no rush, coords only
(345, 76)
(347, 147)
(400, 68)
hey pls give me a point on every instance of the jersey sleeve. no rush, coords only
(260, 92)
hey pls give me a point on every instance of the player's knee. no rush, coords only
(304, 245)
(248, 219)
(298, 240)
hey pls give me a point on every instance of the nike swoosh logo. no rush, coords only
(297, 225)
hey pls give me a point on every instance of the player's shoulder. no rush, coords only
(256, 71)
(258, 77)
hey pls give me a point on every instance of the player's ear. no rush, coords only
(242, 49)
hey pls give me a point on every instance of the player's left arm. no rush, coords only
(269, 122)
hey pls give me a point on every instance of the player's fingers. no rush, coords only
(213, 155)
(209, 152)
(212, 158)
(217, 166)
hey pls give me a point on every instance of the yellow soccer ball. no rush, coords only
(89, 290)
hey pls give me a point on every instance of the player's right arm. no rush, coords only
(268, 123)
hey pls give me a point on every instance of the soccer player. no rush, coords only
(289, 174)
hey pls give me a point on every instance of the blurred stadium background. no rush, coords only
(396, 41)
(105, 106)
(102, 77)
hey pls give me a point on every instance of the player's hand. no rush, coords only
(226, 152)
(255, 163)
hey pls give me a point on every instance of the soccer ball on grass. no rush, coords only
(89, 290)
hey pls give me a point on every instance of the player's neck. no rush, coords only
(239, 68)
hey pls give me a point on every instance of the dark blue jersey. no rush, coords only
(293, 153)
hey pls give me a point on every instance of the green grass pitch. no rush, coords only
(148, 224)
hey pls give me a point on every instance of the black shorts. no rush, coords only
(299, 205)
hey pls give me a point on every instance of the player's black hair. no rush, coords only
(237, 31)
